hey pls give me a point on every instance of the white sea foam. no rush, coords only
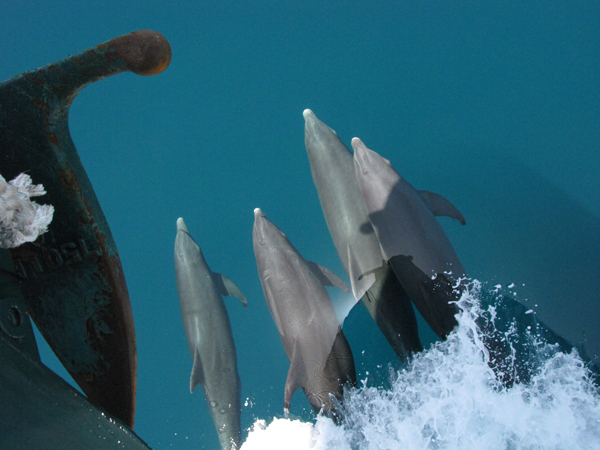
(449, 398)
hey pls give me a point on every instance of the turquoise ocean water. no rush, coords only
(494, 105)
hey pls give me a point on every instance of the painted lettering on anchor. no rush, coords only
(45, 259)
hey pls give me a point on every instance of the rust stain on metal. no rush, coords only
(51, 138)
(41, 104)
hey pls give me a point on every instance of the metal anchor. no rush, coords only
(73, 283)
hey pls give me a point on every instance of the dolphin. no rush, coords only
(209, 336)
(411, 238)
(422, 256)
(320, 358)
(354, 239)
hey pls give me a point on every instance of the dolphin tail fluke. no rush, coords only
(228, 287)
(327, 276)
(197, 376)
(441, 206)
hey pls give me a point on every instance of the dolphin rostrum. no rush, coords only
(209, 336)
(320, 358)
(411, 238)
(354, 239)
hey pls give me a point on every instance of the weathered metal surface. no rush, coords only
(73, 281)
(14, 320)
(41, 411)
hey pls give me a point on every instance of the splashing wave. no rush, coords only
(448, 397)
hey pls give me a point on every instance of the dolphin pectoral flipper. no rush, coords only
(197, 376)
(292, 382)
(441, 206)
(327, 276)
(228, 287)
(374, 271)
(274, 311)
(291, 385)
(360, 281)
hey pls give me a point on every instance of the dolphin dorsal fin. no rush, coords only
(228, 287)
(327, 276)
(197, 376)
(360, 282)
(440, 206)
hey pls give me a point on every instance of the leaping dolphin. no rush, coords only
(354, 239)
(209, 336)
(320, 358)
(411, 238)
